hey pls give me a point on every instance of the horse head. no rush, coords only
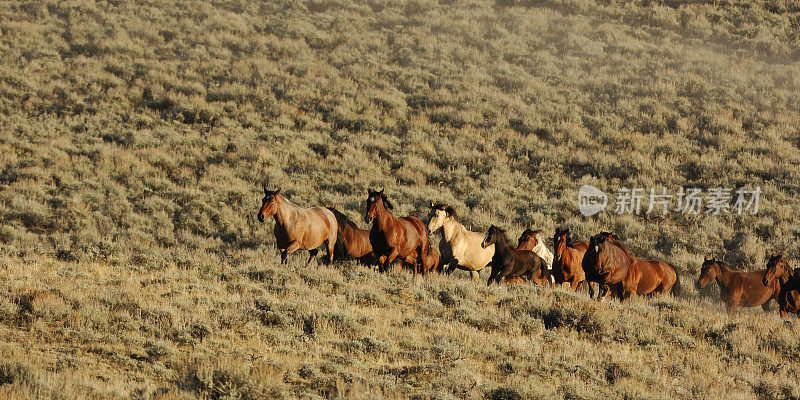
(269, 204)
(528, 238)
(439, 213)
(561, 238)
(598, 255)
(777, 268)
(708, 272)
(491, 236)
(374, 201)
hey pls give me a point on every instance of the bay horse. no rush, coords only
(738, 288)
(352, 241)
(568, 256)
(459, 247)
(789, 279)
(508, 262)
(393, 237)
(608, 262)
(529, 241)
(297, 227)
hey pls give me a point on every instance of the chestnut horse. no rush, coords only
(297, 227)
(666, 277)
(568, 256)
(460, 248)
(352, 241)
(789, 280)
(529, 241)
(509, 263)
(738, 288)
(431, 262)
(393, 237)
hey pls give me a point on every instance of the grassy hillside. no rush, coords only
(135, 138)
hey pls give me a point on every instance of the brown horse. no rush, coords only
(666, 276)
(431, 262)
(393, 237)
(509, 263)
(527, 241)
(297, 227)
(567, 266)
(352, 241)
(607, 262)
(738, 288)
(789, 280)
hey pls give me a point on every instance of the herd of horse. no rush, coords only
(604, 261)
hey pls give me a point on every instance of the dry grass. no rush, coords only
(134, 138)
(257, 330)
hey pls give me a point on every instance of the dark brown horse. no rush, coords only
(393, 237)
(789, 279)
(607, 262)
(738, 288)
(567, 260)
(509, 263)
(352, 241)
(297, 227)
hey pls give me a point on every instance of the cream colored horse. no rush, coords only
(460, 248)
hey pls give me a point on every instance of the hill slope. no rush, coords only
(135, 138)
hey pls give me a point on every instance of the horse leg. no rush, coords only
(732, 306)
(293, 246)
(492, 276)
(390, 258)
(628, 293)
(451, 267)
(475, 275)
(311, 254)
(604, 291)
(284, 254)
(501, 279)
(331, 245)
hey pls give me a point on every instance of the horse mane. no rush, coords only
(568, 231)
(597, 240)
(446, 208)
(342, 219)
(502, 235)
(602, 237)
(386, 202)
(531, 232)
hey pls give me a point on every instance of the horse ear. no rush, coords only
(264, 186)
(277, 192)
(381, 192)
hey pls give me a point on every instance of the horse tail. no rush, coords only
(676, 288)
(340, 248)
